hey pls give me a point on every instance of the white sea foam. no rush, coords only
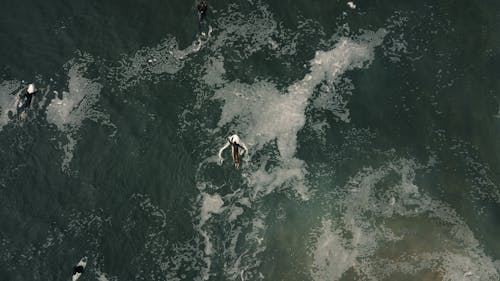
(7, 100)
(76, 105)
(331, 257)
(214, 71)
(251, 30)
(149, 63)
(262, 114)
(212, 204)
(427, 234)
(235, 212)
(396, 47)
(334, 97)
(101, 276)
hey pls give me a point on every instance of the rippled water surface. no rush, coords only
(373, 134)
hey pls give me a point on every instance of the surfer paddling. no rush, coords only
(202, 13)
(24, 100)
(78, 269)
(202, 10)
(238, 149)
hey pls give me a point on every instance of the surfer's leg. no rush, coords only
(202, 25)
(234, 153)
(236, 156)
(78, 269)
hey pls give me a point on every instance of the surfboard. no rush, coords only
(204, 28)
(78, 269)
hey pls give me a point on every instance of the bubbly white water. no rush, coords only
(370, 216)
(383, 229)
(370, 220)
(260, 113)
(76, 105)
(7, 100)
(263, 114)
(150, 63)
(212, 204)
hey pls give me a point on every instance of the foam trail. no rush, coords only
(263, 114)
(150, 63)
(7, 100)
(211, 204)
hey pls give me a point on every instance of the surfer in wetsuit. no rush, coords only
(77, 269)
(202, 13)
(236, 149)
(25, 99)
(202, 10)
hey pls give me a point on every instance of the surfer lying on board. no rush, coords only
(238, 149)
(24, 100)
(79, 268)
(202, 13)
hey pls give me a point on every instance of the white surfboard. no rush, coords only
(78, 269)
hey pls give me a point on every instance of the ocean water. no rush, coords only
(373, 135)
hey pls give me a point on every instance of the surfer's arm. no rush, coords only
(19, 98)
(29, 99)
(244, 147)
(222, 149)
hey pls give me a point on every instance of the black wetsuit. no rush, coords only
(202, 13)
(25, 101)
(236, 152)
(77, 269)
(202, 10)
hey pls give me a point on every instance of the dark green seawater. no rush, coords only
(374, 138)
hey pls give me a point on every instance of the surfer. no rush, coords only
(202, 10)
(24, 100)
(78, 269)
(236, 152)
(202, 13)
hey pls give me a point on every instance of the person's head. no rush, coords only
(31, 88)
(234, 139)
